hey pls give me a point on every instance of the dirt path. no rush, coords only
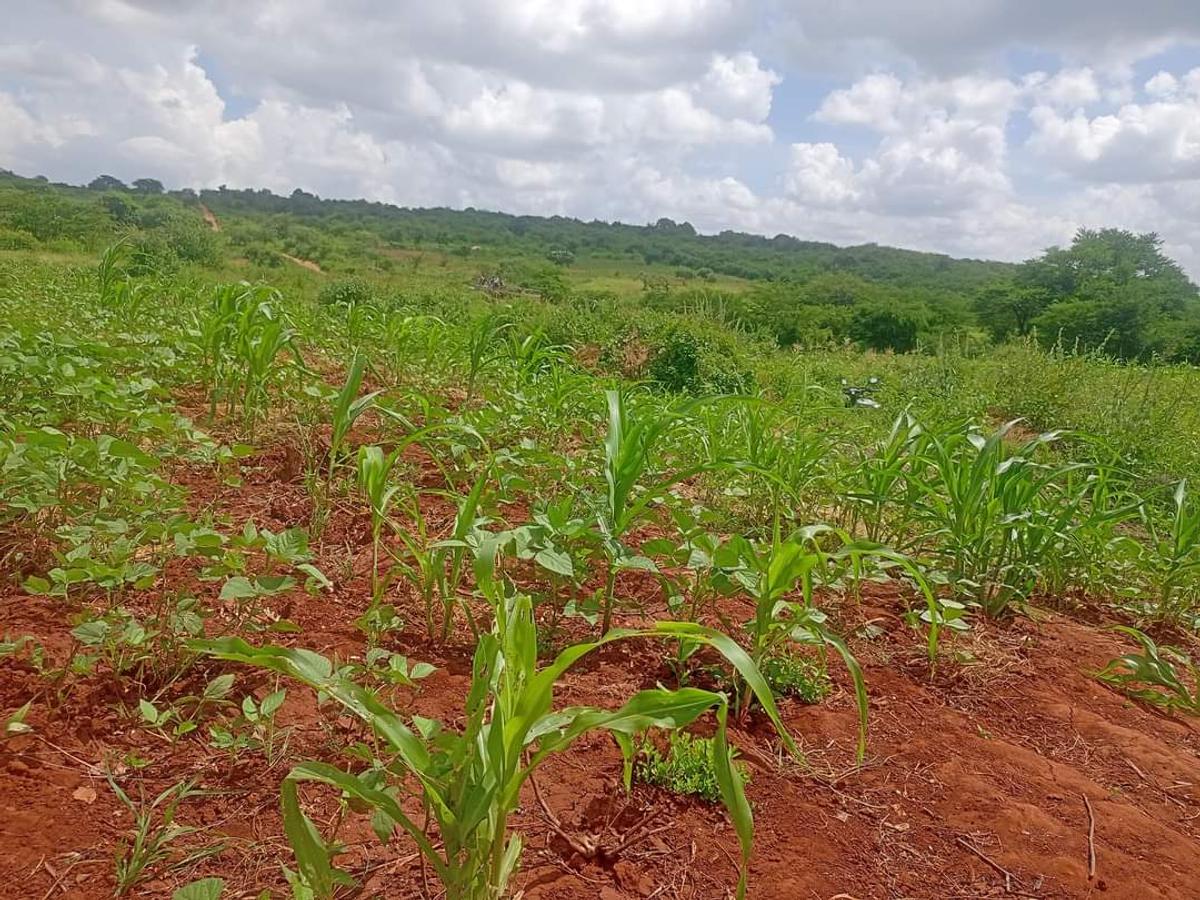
(974, 785)
(210, 218)
(306, 263)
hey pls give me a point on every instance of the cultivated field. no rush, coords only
(409, 585)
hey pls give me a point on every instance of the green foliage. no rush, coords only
(1111, 290)
(1153, 675)
(685, 767)
(469, 782)
(347, 408)
(885, 328)
(588, 491)
(1173, 560)
(203, 888)
(676, 365)
(999, 517)
(791, 674)
(155, 829)
(347, 292)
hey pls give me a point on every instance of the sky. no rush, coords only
(982, 128)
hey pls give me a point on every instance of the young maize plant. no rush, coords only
(1174, 560)
(997, 516)
(1153, 675)
(374, 470)
(484, 348)
(240, 340)
(632, 437)
(469, 782)
(773, 572)
(347, 408)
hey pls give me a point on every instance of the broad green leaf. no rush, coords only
(204, 889)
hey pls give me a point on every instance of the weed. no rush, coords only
(154, 830)
(685, 767)
(791, 674)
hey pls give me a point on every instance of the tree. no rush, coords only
(885, 328)
(1111, 288)
(1007, 309)
(148, 186)
(106, 183)
(119, 209)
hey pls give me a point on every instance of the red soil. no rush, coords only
(974, 784)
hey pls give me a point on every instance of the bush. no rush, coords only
(695, 360)
(346, 292)
(550, 284)
(676, 365)
(12, 239)
(193, 242)
(151, 254)
(259, 255)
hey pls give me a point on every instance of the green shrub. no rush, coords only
(676, 365)
(548, 283)
(151, 254)
(346, 292)
(12, 239)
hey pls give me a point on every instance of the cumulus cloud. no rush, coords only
(1150, 141)
(924, 131)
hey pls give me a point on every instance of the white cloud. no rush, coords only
(820, 176)
(1069, 88)
(858, 121)
(1158, 140)
(952, 37)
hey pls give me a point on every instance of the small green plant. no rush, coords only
(437, 568)
(241, 340)
(999, 518)
(632, 437)
(791, 674)
(153, 832)
(255, 728)
(484, 348)
(201, 889)
(183, 715)
(685, 767)
(770, 573)
(348, 406)
(15, 723)
(1153, 675)
(374, 470)
(1174, 560)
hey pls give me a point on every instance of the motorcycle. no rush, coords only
(860, 396)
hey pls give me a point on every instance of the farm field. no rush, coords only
(431, 571)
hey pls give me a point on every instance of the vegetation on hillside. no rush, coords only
(1110, 291)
